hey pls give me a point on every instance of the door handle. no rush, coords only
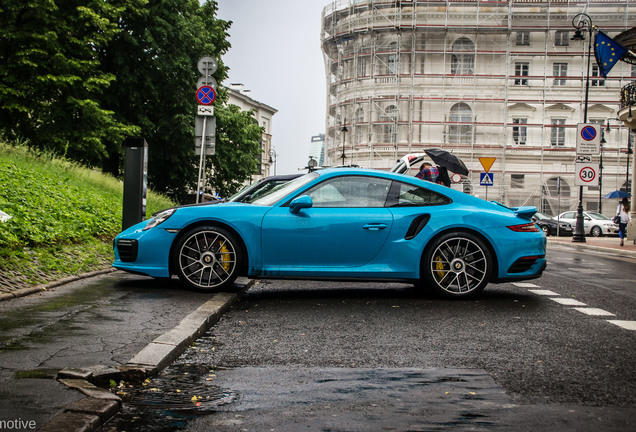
(374, 226)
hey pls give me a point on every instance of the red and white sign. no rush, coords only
(586, 174)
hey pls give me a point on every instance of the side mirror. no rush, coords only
(302, 202)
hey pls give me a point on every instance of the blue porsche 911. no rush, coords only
(341, 223)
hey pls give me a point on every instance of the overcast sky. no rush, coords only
(276, 54)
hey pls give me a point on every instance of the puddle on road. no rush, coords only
(263, 398)
(168, 402)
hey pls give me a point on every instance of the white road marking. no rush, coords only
(544, 292)
(629, 325)
(594, 311)
(567, 301)
(525, 285)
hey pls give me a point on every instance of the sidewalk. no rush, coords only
(606, 244)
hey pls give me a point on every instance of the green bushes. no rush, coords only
(62, 214)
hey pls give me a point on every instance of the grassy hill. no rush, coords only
(63, 216)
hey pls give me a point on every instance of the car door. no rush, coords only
(345, 227)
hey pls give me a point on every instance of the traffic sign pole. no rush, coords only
(201, 161)
(206, 95)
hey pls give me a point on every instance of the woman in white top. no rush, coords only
(623, 212)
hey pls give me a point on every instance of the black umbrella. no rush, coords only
(447, 160)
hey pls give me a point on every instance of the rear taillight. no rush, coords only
(529, 227)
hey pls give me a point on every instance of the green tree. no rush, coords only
(154, 57)
(238, 149)
(50, 76)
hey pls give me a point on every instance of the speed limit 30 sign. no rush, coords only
(586, 174)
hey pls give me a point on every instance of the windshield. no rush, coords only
(598, 216)
(540, 215)
(281, 190)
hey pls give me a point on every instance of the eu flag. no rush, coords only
(607, 52)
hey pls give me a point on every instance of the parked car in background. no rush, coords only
(341, 223)
(594, 224)
(261, 187)
(549, 225)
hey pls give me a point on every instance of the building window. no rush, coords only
(557, 134)
(390, 129)
(460, 129)
(463, 58)
(517, 181)
(523, 38)
(559, 70)
(393, 61)
(521, 70)
(359, 120)
(519, 133)
(596, 73)
(562, 38)
(362, 66)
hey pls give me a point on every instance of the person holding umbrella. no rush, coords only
(428, 172)
(622, 211)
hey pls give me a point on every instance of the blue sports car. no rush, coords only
(341, 223)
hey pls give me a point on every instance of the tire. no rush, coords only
(545, 229)
(457, 265)
(207, 259)
(596, 231)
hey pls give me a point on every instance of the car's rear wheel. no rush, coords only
(545, 229)
(457, 264)
(207, 258)
(596, 231)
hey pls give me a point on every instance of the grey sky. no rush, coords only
(276, 54)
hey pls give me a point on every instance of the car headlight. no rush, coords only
(159, 218)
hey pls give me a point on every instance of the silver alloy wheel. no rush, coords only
(207, 259)
(459, 266)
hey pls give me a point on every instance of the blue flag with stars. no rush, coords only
(607, 52)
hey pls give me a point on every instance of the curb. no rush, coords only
(588, 247)
(22, 292)
(100, 405)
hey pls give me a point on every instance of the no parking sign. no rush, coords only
(588, 139)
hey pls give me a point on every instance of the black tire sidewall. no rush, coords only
(427, 279)
(228, 283)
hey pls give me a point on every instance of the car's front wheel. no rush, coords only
(457, 264)
(207, 258)
(596, 231)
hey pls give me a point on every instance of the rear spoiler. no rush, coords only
(525, 212)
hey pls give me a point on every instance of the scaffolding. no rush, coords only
(479, 78)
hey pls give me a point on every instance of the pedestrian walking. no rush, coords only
(625, 217)
(428, 172)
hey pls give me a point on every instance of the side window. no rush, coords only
(351, 191)
(408, 195)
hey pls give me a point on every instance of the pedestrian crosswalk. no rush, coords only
(576, 305)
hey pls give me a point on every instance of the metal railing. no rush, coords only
(628, 96)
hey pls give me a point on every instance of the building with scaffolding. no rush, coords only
(498, 79)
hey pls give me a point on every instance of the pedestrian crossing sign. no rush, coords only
(486, 179)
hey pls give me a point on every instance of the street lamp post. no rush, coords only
(343, 130)
(579, 22)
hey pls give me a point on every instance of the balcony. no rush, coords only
(627, 113)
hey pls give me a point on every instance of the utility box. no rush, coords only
(135, 181)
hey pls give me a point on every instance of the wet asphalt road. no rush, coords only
(101, 321)
(306, 355)
(339, 356)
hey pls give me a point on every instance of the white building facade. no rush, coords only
(498, 79)
(263, 114)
